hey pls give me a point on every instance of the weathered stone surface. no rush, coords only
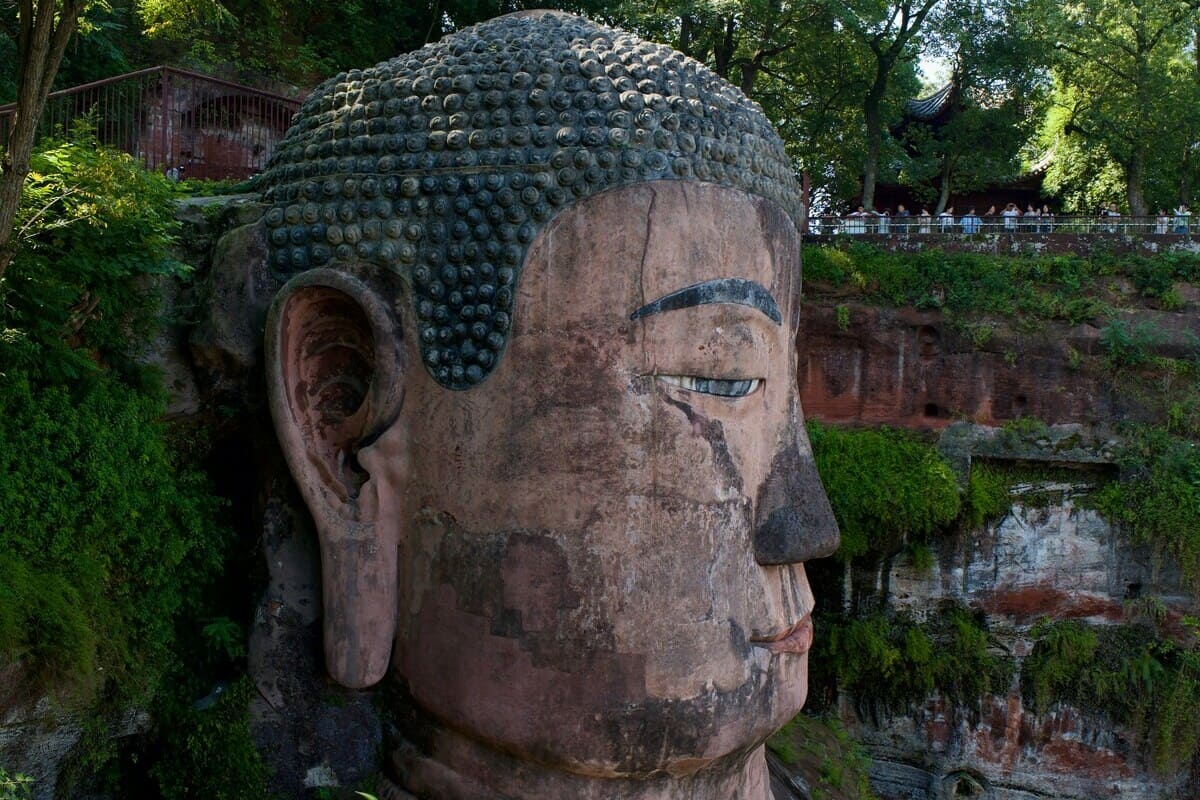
(1003, 752)
(1049, 556)
(38, 737)
(310, 732)
(519, 618)
(909, 368)
(226, 343)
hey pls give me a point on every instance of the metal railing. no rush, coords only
(183, 123)
(958, 226)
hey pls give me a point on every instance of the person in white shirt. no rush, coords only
(1010, 213)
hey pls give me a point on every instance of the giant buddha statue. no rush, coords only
(533, 370)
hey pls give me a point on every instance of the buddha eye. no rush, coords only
(714, 386)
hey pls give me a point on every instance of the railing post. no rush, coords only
(165, 106)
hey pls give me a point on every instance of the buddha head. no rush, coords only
(533, 369)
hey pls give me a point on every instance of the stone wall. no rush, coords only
(1050, 555)
(918, 369)
(1084, 244)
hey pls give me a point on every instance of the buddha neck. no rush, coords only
(450, 766)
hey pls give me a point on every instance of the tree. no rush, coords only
(1121, 80)
(997, 91)
(41, 33)
(791, 57)
(889, 31)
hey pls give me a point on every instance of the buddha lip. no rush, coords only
(796, 639)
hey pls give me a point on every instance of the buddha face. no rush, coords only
(600, 547)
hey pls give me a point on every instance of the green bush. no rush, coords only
(889, 660)
(884, 486)
(1034, 286)
(111, 541)
(1128, 345)
(1157, 500)
(1128, 673)
(987, 494)
(210, 754)
(826, 756)
(1044, 287)
(14, 787)
(104, 540)
(93, 229)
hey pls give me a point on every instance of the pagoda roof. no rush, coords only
(928, 109)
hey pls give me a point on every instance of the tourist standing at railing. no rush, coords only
(1111, 214)
(946, 220)
(1162, 222)
(1010, 213)
(1183, 218)
(1029, 220)
(855, 222)
(926, 220)
(903, 218)
(884, 220)
(1047, 219)
(971, 223)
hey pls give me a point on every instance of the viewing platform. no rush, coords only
(1083, 235)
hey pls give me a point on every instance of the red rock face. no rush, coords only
(908, 368)
(1029, 603)
(1003, 748)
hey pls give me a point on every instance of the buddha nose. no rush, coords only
(795, 522)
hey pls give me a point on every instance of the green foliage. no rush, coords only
(1126, 672)
(824, 753)
(1127, 345)
(110, 537)
(831, 265)
(884, 485)
(104, 540)
(1157, 500)
(92, 228)
(1037, 287)
(14, 787)
(1125, 91)
(210, 753)
(842, 314)
(889, 660)
(987, 494)
(105, 536)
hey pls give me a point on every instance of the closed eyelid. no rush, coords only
(735, 388)
(736, 291)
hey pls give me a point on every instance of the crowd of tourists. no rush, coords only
(1010, 219)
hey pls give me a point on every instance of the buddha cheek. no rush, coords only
(516, 652)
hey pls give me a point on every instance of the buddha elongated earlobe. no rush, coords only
(335, 381)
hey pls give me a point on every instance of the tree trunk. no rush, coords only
(1185, 177)
(947, 181)
(40, 48)
(1134, 176)
(873, 116)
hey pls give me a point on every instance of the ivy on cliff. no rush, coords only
(884, 485)
(1052, 287)
(1157, 500)
(888, 661)
(104, 539)
(1128, 672)
(111, 538)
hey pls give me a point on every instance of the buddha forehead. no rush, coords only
(441, 166)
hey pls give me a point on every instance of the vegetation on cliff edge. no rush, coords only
(111, 538)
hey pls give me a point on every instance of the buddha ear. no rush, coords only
(335, 373)
(335, 383)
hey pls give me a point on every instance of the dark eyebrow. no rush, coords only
(721, 290)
